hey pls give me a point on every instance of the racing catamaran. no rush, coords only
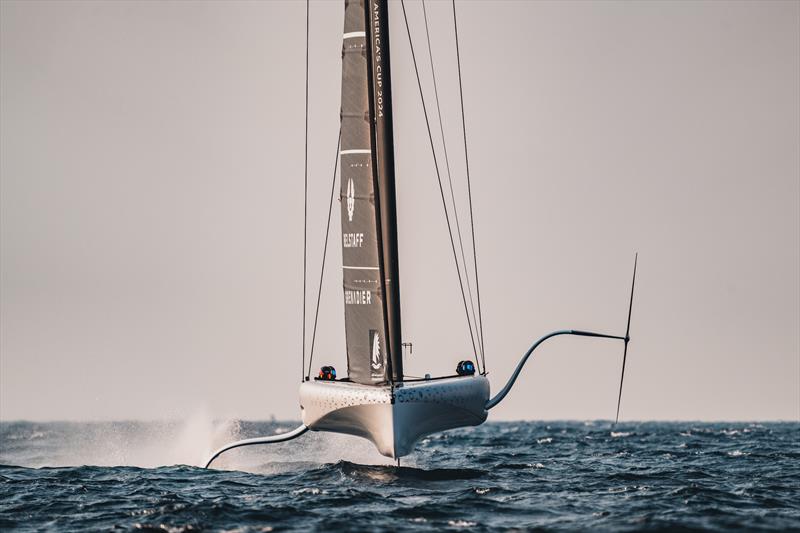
(376, 400)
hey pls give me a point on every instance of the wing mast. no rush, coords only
(380, 89)
(369, 214)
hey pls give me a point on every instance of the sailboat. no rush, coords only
(376, 400)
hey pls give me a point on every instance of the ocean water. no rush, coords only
(521, 475)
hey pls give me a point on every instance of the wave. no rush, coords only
(496, 476)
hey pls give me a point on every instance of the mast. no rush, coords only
(369, 215)
(380, 89)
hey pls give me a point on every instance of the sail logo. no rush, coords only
(352, 240)
(351, 199)
(375, 354)
(357, 297)
(378, 67)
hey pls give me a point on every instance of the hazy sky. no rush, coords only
(151, 159)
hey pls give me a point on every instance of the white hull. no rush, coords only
(419, 408)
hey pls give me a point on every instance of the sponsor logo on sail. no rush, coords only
(353, 240)
(351, 199)
(357, 297)
(375, 356)
(377, 51)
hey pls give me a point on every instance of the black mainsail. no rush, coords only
(369, 228)
(377, 407)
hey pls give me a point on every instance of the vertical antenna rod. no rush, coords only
(627, 337)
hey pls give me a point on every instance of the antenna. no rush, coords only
(627, 337)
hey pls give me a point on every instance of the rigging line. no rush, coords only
(469, 188)
(450, 179)
(324, 254)
(438, 176)
(305, 209)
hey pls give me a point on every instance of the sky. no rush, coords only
(151, 195)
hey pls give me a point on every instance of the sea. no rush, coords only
(591, 476)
